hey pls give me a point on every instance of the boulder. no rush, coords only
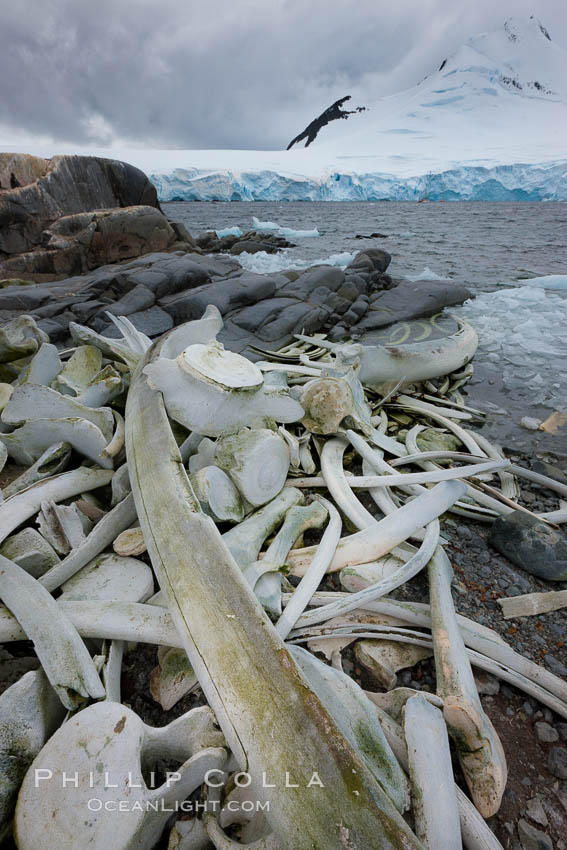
(83, 241)
(530, 544)
(184, 237)
(371, 260)
(410, 300)
(65, 185)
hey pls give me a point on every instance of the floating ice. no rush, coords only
(522, 330)
(550, 281)
(229, 231)
(263, 263)
(426, 274)
(279, 230)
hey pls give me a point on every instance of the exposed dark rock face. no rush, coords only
(70, 184)
(71, 214)
(331, 114)
(77, 243)
(160, 290)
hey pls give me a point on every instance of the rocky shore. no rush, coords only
(82, 238)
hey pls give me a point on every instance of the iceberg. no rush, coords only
(557, 282)
(229, 231)
(279, 230)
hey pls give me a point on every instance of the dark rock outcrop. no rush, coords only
(69, 185)
(409, 300)
(74, 244)
(251, 242)
(332, 113)
(162, 289)
(71, 214)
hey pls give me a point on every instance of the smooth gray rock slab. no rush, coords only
(152, 322)
(253, 318)
(23, 298)
(87, 309)
(220, 266)
(150, 278)
(58, 327)
(226, 295)
(531, 545)
(139, 298)
(410, 300)
(295, 318)
(328, 276)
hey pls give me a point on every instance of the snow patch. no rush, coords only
(263, 263)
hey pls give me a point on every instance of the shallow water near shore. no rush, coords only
(504, 252)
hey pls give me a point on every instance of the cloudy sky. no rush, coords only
(219, 74)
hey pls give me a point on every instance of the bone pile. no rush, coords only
(217, 467)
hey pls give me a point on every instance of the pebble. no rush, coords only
(535, 812)
(531, 838)
(562, 729)
(529, 423)
(486, 684)
(557, 762)
(546, 733)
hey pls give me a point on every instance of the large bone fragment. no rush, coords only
(105, 747)
(27, 503)
(54, 460)
(29, 713)
(476, 833)
(62, 653)
(263, 703)
(431, 774)
(529, 604)
(480, 751)
(385, 535)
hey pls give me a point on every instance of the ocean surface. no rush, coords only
(512, 256)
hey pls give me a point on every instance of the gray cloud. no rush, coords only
(240, 74)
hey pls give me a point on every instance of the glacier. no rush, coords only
(516, 182)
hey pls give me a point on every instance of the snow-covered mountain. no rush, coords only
(490, 124)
